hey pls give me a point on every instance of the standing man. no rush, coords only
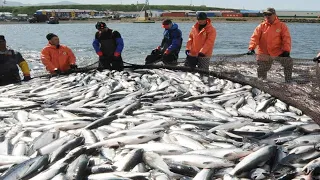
(108, 45)
(273, 41)
(201, 42)
(56, 57)
(9, 59)
(170, 46)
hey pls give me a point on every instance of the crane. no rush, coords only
(4, 2)
(145, 7)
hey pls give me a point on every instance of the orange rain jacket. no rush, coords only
(61, 58)
(271, 39)
(202, 41)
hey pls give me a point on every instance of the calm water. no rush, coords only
(140, 39)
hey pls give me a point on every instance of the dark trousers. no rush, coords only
(169, 59)
(201, 63)
(111, 63)
(264, 66)
(9, 79)
(191, 62)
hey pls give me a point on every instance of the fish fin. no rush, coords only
(206, 163)
(141, 137)
(251, 140)
(120, 144)
(172, 151)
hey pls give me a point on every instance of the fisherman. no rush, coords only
(9, 59)
(317, 58)
(201, 42)
(57, 58)
(168, 51)
(108, 45)
(272, 37)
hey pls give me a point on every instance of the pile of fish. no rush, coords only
(151, 124)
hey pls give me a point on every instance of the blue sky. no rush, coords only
(240, 4)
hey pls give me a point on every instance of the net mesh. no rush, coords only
(203, 63)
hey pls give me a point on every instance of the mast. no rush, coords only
(146, 7)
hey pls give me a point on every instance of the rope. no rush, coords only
(221, 57)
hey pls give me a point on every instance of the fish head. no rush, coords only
(280, 170)
(313, 167)
(258, 174)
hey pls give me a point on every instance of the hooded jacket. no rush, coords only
(172, 39)
(271, 39)
(61, 58)
(202, 41)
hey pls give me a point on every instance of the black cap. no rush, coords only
(202, 16)
(101, 25)
(50, 36)
(2, 38)
(166, 22)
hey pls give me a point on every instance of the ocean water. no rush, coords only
(140, 39)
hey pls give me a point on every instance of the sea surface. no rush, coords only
(140, 39)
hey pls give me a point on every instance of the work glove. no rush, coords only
(57, 71)
(316, 59)
(167, 52)
(156, 50)
(201, 55)
(73, 66)
(26, 78)
(285, 54)
(251, 52)
(100, 53)
(116, 54)
(187, 52)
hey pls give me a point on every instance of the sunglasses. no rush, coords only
(267, 14)
(166, 26)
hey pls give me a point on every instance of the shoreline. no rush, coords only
(179, 20)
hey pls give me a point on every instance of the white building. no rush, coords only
(22, 15)
(5, 14)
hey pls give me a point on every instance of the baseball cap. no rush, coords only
(270, 11)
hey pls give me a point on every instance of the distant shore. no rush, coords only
(182, 19)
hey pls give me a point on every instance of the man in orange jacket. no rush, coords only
(201, 42)
(56, 57)
(9, 59)
(273, 41)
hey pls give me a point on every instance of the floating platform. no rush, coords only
(144, 20)
(147, 21)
